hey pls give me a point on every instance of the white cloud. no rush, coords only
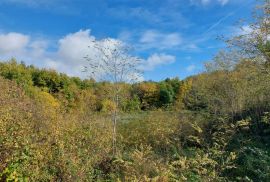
(125, 36)
(156, 60)
(68, 56)
(73, 47)
(153, 16)
(38, 48)
(57, 6)
(154, 39)
(72, 50)
(159, 41)
(208, 2)
(191, 46)
(204, 2)
(13, 42)
(190, 68)
(244, 30)
(223, 2)
(149, 36)
(32, 3)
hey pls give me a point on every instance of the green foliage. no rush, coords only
(131, 105)
(14, 71)
(107, 106)
(199, 167)
(151, 130)
(166, 95)
(250, 163)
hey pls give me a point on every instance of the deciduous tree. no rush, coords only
(111, 60)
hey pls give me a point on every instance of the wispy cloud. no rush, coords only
(223, 2)
(244, 30)
(224, 18)
(191, 68)
(154, 39)
(208, 2)
(56, 6)
(221, 20)
(151, 39)
(31, 3)
(156, 60)
(156, 15)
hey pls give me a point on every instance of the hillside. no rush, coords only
(213, 126)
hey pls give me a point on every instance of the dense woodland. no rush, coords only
(214, 126)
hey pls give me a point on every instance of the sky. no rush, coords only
(172, 37)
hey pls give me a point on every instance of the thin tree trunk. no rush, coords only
(115, 115)
(114, 131)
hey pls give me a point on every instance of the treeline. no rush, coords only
(73, 92)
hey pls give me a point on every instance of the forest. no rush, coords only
(213, 126)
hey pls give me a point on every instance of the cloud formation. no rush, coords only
(190, 68)
(208, 2)
(155, 39)
(13, 42)
(155, 16)
(33, 3)
(156, 60)
(71, 49)
(244, 30)
(223, 2)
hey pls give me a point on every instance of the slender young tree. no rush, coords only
(111, 60)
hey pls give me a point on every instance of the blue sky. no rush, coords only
(173, 37)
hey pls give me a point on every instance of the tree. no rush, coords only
(166, 94)
(148, 94)
(111, 60)
(224, 61)
(181, 93)
(254, 39)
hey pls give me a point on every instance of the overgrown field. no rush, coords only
(218, 132)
